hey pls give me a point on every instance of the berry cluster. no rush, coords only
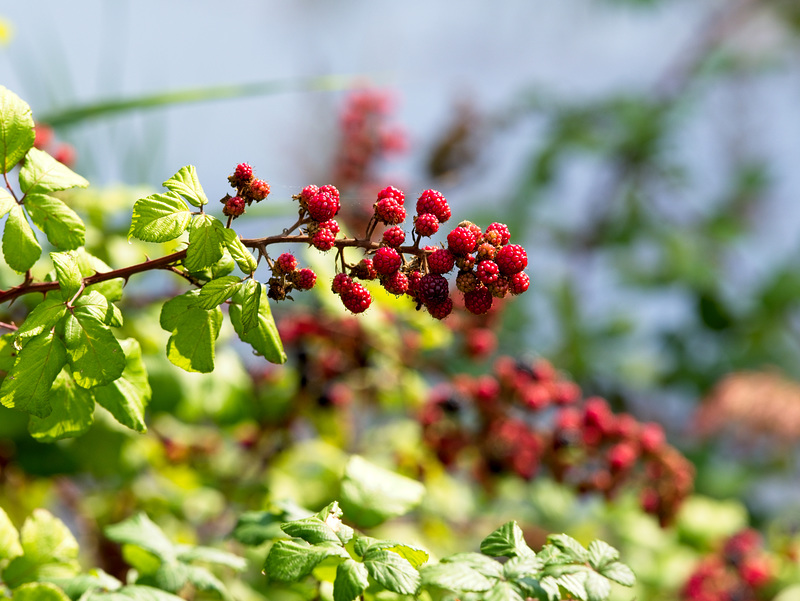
(740, 570)
(249, 189)
(525, 417)
(45, 139)
(287, 277)
(318, 207)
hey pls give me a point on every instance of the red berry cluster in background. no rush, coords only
(525, 417)
(740, 570)
(45, 139)
(249, 189)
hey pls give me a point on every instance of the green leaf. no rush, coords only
(458, 577)
(142, 532)
(371, 494)
(127, 396)
(506, 541)
(251, 302)
(94, 354)
(332, 516)
(254, 528)
(133, 593)
(391, 571)
(9, 538)
(67, 273)
(216, 292)
(49, 551)
(620, 573)
(144, 562)
(159, 218)
(206, 241)
(39, 591)
(597, 587)
(264, 338)
(186, 184)
(27, 386)
(204, 580)
(42, 173)
(7, 202)
(194, 331)
(415, 556)
(292, 560)
(570, 547)
(503, 591)
(89, 265)
(96, 578)
(44, 316)
(574, 584)
(62, 226)
(72, 415)
(243, 257)
(601, 554)
(351, 580)
(16, 129)
(169, 576)
(312, 530)
(94, 304)
(187, 553)
(487, 566)
(20, 248)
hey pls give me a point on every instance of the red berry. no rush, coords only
(304, 279)
(395, 283)
(426, 224)
(322, 206)
(433, 202)
(441, 261)
(461, 241)
(441, 308)
(330, 224)
(480, 342)
(392, 192)
(307, 194)
(356, 298)
(65, 154)
(234, 206)
(323, 239)
(394, 236)
(502, 229)
(241, 175)
(341, 282)
(332, 190)
(414, 278)
(286, 263)
(622, 456)
(652, 437)
(386, 260)
(433, 288)
(485, 252)
(388, 210)
(488, 272)
(43, 135)
(258, 189)
(364, 270)
(511, 259)
(518, 283)
(478, 301)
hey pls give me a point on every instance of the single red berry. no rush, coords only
(622, 456)
(234, 206)
(433, 287)
(258, 189)
(394, 236)
(480, 342)
(568, 419)
(511, 259)
(466, 281)
(241, 175)
(307, 194)
(388, 210)
(392, 192)
(304, 279)
(65, 154)
(478, 301)
(356, 298)
(341, 282)
(440, 308)
(414, 278)
(386, 260)
(332, 190)
(43, 136)
(518, 283)
(322, 206)
(499, 288)
(323, 239)
(286, 263)
(330, 224)
(364, 270)
(652, 437)
(475, 229)
(433, 202)
(395, 283)
(756, 571)
(502, 229)
(487, 272)
(461, 241)
(441, 261)
(426, 224)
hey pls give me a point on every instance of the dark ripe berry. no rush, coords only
(433, 202)
(478, 301)
(441, 261)
(286, 263)
(466, 281)
(485, 252)
(323, 239)
(364, 270)
(395, 283)
(389, 211)
(258, 189)
(341, 282)
(394, 236)
(439, 309)
(426, 224)
(234, 206)
(330, 224)
(518, 283)
(502, 230)
(386, 260)
(241, 175)
(332, 190)
(622, 456)
(304, 279)
(461, 241)
(322, 206)
(392, 192)
(356, 298)
(307, 194)
(433, 287)
(511, 259)
(487, 272)
(499, 288)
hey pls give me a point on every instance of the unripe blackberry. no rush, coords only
(356, 298)
(322, 206)
(323, 239)
(493, 237)
(439, 309)
(426, 224)
(394, 236)
(487, 272)
(330, 224)
(395, 283)
(234, 206)
(364, 270)
(414, 278)
(307, 194)
(502, 229)
(332, 190)
(465, 263)
(341, 282)
(441, 261)
(466, 281)
(386, 260)
(389, 211)
(241, 175)
(433, 287)
(286, 263)
(392, 192)
(485, 252)
(518, 283)
(499, 288)
(461, 241)
(433, 202)
(475, 229)
(511, 259)
(304, 279)
(478, 301)
(258, 189)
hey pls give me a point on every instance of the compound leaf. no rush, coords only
(601, 554)
(27, 386)
(127, 396)
(456, 576)
(186, 184)
(94, 354)
(72, 415)
(62, 226)
(16, 129)
(619, 572)
(572, 549)
(42, 173)
(159, 218)
(20, 247)
(291, 560)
